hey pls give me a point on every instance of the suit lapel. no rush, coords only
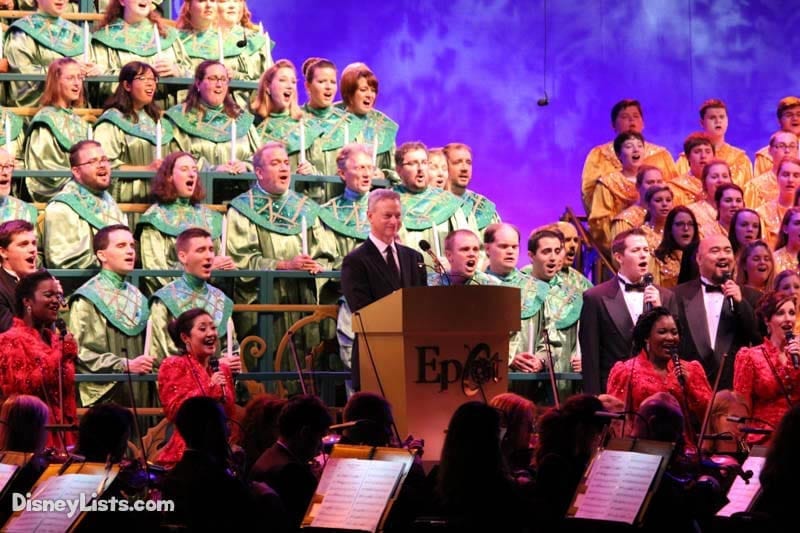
(614, 302)
(695, 309)
(725, 335)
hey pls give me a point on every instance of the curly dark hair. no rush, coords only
(768, 305)
(643, 327)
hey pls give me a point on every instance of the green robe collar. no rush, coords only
(173, 218)
(281, 127)
(123, 305)
(67, 127)
(214, 125)
(98, 209)
(431, 206)
(568, 297)
(138, 39)
(16, 124)
(55, 33)
(347, 215)
(188, 292)
(12, 209)
(533, 292)
(477, 205)
(329, 123)
(280, 214)
(145, 128)
(205, 44)
(370, 124)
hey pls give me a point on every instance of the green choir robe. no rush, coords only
(15, 144)
(188, 292)
(429, 215)
(130, 143)
(71, 220)
(14, 209)
(365, 128)
(281, 127)
(52, 132)
(158, 229)
(264, 229)
(108, 317)
(329, 125)
(31, 44)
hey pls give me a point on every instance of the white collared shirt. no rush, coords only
(382, 246)
(713, 303)
(634, 300)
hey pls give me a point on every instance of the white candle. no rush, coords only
(89, 133)
(436, 248)
(346, 132)
(157, 38)
(221, 45)
(86, 40)
(148, 338)
(530, 336)
(229, 338)
(223, 240)
(7, 133)
(159, 140)
(233, 139)
(302, 156)
(303, 236)
(1, 42)
(375, 149)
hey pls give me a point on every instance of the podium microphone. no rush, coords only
(425, 246)
(648, 281)
(795, 358)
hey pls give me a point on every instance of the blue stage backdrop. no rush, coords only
(472, 71)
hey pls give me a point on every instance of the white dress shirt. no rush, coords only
(634, 300)
(382, 246)
(713, 303)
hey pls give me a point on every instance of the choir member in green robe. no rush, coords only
(12, 138)
(178, 192)
(12, 208)
(55, 128)
(80, 210)
(479, 210)
(108, 316)
(32, 43)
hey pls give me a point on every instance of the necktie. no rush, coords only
(392, 264)
(712, 288)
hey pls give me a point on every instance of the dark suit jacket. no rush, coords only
(735, 329)
(8, 301)
(366, 276)
(606, 331)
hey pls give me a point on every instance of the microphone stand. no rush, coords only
(62, 327)
(297, 363)
(707, 417)
(550, 368)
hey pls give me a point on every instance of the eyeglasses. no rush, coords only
(217, 79)
(790, 114)
(784, 146)
(145, 79)
(97, 161)
(6, 167)
(415, 163)
(684, 224)
(74, 77)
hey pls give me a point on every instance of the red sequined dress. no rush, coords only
(29, 365)
(180, 378)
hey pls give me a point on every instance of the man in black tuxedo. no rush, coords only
(379, 266)
(612, 308)
(715, 307)
(18, 255)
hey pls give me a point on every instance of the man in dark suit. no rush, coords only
(18, 255)
(612, 308)
(715, 307)
(379, 266)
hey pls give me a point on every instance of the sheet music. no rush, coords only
(69, 487)
(6, 473)
(617, 486)
(741, 494)
(356, 493)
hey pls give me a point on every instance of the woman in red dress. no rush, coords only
(652, 368)
(190, 374)
(35, 359)
(764, 374)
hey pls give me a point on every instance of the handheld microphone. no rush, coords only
(795, 358)
(648, 281)
(425, 246)
(61, 326)
(213, 364)
(676, 362)
(726, 277)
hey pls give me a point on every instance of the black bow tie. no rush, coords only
(634, 287)
(712, 288)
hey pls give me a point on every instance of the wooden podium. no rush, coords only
(435, 348)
